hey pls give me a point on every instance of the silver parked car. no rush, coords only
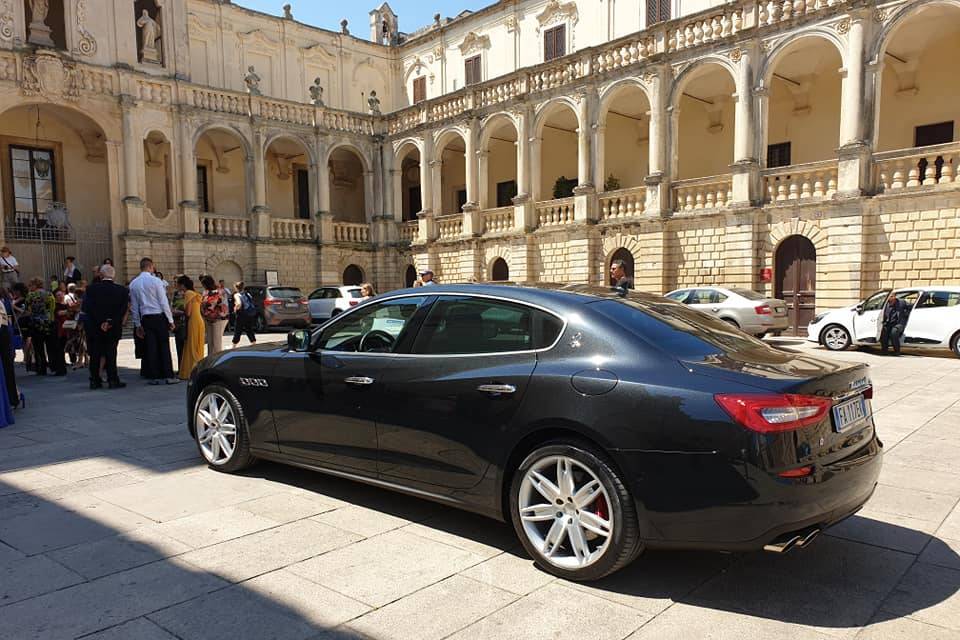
(327, 302)
(747, 310)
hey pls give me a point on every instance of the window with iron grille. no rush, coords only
(657, 11)
(419, 89)
(472, 71)
(778, 155)
(34, 182)
(555, 42)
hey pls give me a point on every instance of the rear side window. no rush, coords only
(876, 301)
(935, 299)
(679, 296)
(680, 331)
(355, 293)
(707, 296)
(464, 325)
(285, 292)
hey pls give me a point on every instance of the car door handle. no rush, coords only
(497, 389)
(360, 381)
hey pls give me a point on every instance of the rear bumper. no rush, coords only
(739, 507)
(282, 320)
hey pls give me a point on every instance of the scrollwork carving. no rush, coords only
(86, 43)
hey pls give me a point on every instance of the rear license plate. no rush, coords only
(779, 310)
(849, 413)
(292, 305)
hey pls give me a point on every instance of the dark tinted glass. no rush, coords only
(479, 325)
(748, 294)
(285, 292)
(374, 329)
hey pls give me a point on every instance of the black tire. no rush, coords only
(335, 313)
(841, 343)
(625, 544)
(733, 323)
(955, 344)
(241, 458)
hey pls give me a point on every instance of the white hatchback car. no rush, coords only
(934, 321)
(327, 302)
(747, 310)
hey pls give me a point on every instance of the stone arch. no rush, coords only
(445, 136)
(551, 107)
(228, 271)
(353, 275)
(403, 147)
(609, 93)
(214, 260)
(360, 153)
(410, 275)
(772, 58)
(694, 70)
(795, 227)
(619, 241)
(893, 22)
(292, 137)
(110, 128)
(227, 128)
(417, 64)
(492, 254)
(499, 270)
(490, 123)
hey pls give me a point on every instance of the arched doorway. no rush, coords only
(500, 270)
(796, 280)
(352, 276)
(628, 263)
(410, 277)
(348, 173)
(228, 271)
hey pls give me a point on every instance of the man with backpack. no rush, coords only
(246, 314)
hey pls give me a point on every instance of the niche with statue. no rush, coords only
(149, 27)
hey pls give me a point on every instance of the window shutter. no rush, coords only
(560, 33)
(657, 11)
(549, 51)
(664, 10)
(419, 90)
(472, 70)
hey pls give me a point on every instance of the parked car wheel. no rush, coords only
(731, 322)
(955, 344)
(835, 338)
(220, 428)
(335, 313)
(573, 513)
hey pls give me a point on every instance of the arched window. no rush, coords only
(352, 276)
(410, 277)
(500, 271)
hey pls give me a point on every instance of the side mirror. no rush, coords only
(859, 309)
(298, 340)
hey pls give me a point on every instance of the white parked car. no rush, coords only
(747, 310)
(934, 321)
(327, 302)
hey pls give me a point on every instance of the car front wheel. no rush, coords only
(573, 513)
(221, 430)
(955, 344)
(835, 338)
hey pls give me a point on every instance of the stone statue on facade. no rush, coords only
(287, 12)
(150, 30)
(374, 103)
(252, 80)
(345, 27)
(316, 93)
(39, 31)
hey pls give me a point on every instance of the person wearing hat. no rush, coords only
(426, 277)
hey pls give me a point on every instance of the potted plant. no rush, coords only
(563, 187)
(612, 183)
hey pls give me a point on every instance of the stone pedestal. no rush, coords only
(134, 209)
(151, 55)
(40, 34)
(472, 221)
(853, 170)
(585, 204)
(745, 178)
(524, 214)
(658, 203)
(190, 215)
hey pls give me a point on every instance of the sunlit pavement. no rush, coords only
(111, 528)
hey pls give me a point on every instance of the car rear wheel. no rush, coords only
(733, 323)
(573, 513)
(955, 344)
(835, 338)
(221, 430)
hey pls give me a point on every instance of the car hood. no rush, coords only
(770, 369)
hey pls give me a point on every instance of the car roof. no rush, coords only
(949, 288)
(548, 295)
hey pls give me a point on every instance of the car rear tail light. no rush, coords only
(773, 413)
(272, 302)
(303, 301)
(868, 393)
(799, 472)
(763, 310)
(354, 303)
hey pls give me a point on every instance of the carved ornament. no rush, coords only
(47, 75)
(556, 12)
(474, 43)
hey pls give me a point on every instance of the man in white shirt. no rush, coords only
(426, 277)
(9, 268)
(153, 321)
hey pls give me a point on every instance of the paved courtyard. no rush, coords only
(110, 528)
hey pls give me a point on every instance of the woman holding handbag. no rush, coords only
(215, 313)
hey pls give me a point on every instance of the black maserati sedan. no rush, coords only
(599, 422)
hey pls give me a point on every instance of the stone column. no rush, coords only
(471, 159)
(483, 179)
(599, 168)
(523, 210)
(436, 183)
(369, 195)
(585, 193)
(132, 167)
(188, 177)
(259, 174)
(853, 166)
(426, 175)
(658, 182)
(745, 169)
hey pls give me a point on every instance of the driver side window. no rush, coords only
(876, 301)
(372, 329)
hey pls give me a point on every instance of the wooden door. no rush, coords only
(796, 265)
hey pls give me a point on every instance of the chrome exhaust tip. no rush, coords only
(782, 546)
(807, 539)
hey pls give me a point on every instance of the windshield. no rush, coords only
(285, 293)
(355, 293)
(748, 294)
(685, 333)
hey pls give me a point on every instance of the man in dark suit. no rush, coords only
(895, 316)
(105, 308)
(619, 277)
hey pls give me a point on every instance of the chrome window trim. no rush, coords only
(486, 296)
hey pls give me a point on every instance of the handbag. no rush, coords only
(70, 324)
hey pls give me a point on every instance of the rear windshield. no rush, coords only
(286, 292)
(748, 294)
(682, 332)
(355, 293)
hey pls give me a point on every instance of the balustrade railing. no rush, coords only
(219, 101)
(450, 227)
(776, 11)
(702, 29)
(555, 212)
(498, 220)
(213, 225)
(906, 169)
(625, 203)
(409, 231)
(702, 193)
(292, 229)
(352, 232)
(811, 181)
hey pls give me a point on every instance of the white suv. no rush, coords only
(934, 321)
(327, 302)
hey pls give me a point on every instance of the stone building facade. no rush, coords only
(805, 148)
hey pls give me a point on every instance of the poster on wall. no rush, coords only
(273, 278)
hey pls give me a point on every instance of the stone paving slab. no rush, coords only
(112, 529)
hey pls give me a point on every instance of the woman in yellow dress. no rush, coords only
(196, 330)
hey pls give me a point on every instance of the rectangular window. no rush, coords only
(419, 89)
(34, 182)
(415, 202)
(657, 11)
(303, 194)
(461, 199)
(778, 155)
(203, 193)
(930, 134)
(555, 42)
(472, 70)
(506, 192)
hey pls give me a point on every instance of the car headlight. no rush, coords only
(817, 319)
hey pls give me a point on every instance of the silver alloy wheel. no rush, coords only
(566, 512)
(836, 338)
(216, 428)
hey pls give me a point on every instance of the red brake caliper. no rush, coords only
(601, 509)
